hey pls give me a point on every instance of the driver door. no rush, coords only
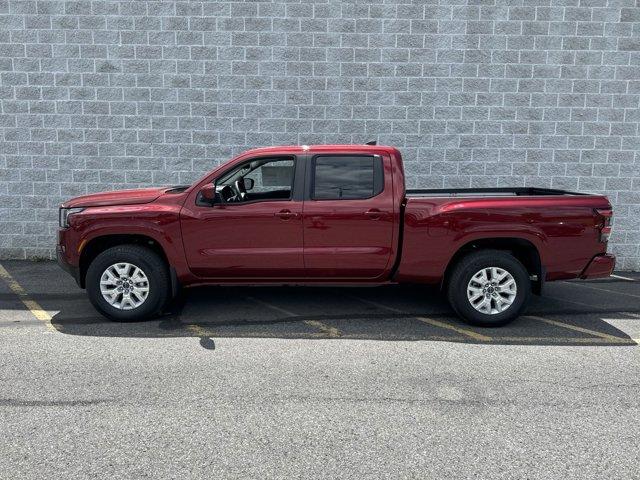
(255, 233)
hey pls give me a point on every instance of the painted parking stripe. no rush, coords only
(272, 306)
(33, 306)
(576, 328)
(622, 278)
(583, 285)
(578, 340)
(431, 321)
(485, 338)
(199, 331)
(590, 305)
(463, 331)
(376, 304)
(323, 327)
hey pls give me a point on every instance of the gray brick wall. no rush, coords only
(99, 95)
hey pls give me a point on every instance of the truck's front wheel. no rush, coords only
(128, 283)
(489, 288)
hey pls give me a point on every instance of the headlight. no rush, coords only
(64, 213)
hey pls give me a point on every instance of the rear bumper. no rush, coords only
(600, 266)
(70, 269)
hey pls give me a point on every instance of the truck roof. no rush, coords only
(342, 148)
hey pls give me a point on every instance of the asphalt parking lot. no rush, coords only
(280, 382)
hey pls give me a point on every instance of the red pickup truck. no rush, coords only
(331, 214)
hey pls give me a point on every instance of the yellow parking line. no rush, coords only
(463, 331)
(583, 285)
(511, 339)
(323, 327)
(199, 331)
(33, 306)
(430, 321)
(271, 306)
(600, 337)
(568, 326)
(375, 304)
(573, 302)
(581, 340)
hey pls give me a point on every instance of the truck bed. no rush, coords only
(561, 225)
(489, 192)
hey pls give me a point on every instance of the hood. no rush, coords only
(116, 197)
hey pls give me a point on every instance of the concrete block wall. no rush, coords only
(98, 95)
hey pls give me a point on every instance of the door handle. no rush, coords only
(285, 214)
(374, 214)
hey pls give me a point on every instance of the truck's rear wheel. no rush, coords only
(128, 283)
(489, 288)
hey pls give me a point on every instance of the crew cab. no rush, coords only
(330, 214)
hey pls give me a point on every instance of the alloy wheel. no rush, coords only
(492, 290)
(124, 286)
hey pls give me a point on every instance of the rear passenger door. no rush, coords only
(348, 220)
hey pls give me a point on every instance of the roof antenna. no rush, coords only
(372, 142)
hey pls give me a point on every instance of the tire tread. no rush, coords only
(456, 287)
(157, 273)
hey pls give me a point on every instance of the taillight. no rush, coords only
(604, 224)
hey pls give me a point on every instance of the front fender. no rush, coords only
(159, 223)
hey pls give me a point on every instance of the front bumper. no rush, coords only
(599, 267)
(70, 269)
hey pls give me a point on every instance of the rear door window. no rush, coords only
(343, 177)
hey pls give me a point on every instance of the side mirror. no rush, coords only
(208, 193)
(248, 183)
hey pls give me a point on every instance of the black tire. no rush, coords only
(153, 267)
(473, 263)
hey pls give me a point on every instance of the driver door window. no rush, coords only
(257, 180)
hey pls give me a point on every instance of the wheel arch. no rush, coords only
(96, 245)
(522, 249)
